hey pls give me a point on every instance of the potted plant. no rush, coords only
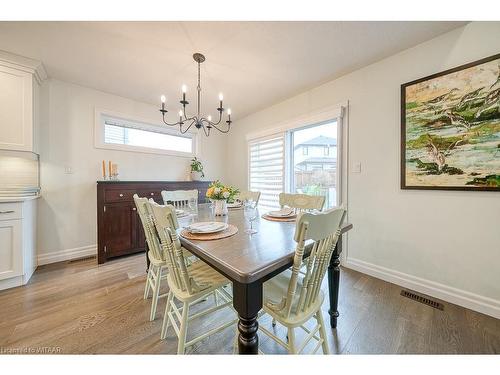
(196, 170)
(219, 194)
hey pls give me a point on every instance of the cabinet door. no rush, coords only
(16, 110)
(120, 229)
(11, 252)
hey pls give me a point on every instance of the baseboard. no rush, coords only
(68, 254)
(476, 302)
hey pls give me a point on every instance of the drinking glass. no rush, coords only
(251, 212)
(193, 206)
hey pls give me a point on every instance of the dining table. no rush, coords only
(249, 260)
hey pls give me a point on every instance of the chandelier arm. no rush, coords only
(185, 131)
(166, 123)
(207, 132)
(222, 131)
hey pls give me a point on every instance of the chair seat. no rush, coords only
(276, 288)
(203, 275)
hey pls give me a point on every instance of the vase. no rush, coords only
(220, 207)
(196, 176)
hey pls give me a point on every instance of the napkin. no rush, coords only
(282, 213)
(205, 227)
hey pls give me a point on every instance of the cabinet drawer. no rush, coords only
(10, 211)
(155, 194)
(119, 195)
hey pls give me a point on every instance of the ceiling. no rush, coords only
(255, 64)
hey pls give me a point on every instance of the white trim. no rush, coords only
(324, 114)
(99, 135)
(25, 64)
(476, 302)
(68, 254)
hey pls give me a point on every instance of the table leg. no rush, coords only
(247, 300)
(333, 283)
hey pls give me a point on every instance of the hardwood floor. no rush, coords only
(80, 307)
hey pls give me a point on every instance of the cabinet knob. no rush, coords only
(152, 193)
(133, 208)
(121, 195)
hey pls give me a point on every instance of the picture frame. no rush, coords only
(450, 129)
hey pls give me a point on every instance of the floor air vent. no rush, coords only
(419, 298)
(82, 259)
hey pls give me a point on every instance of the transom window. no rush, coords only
(129, 135)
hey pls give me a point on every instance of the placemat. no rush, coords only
(230, 231)
(283, 219)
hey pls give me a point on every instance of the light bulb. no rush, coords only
(163, 99)
(209, 118)
(221, 97)
(184, 89)
(180, 113)
(229, 111)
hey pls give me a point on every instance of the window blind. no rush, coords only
(267, 168)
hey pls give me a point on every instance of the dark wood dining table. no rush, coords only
(248, 260)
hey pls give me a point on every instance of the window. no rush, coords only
(298, 159)
(266, 169)
(130, 135)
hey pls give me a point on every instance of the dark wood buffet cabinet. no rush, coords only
(119, 229)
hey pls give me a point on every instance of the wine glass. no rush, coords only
(250, 212)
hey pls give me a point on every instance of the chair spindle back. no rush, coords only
(302, 202)
(324, 229)
(179, 198)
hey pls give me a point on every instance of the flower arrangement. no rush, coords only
(218, 191)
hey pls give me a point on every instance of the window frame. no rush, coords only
(99, 126)
(338, 112)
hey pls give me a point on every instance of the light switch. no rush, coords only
(68, 170)
(356, 168)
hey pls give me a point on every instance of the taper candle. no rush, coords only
(103, 170)
(109, 168)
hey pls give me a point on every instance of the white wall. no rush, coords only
(67, 209)
(446, 244)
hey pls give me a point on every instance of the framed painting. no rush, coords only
(450, 129)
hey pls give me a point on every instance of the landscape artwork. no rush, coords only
(450, 129)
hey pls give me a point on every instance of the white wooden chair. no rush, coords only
(302, 202)
(293, 300)
(249, 195)
(179, 198)
(157, 263)
(188, 284)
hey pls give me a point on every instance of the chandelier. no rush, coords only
(200, 122)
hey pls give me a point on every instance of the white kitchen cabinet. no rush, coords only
(19, 100)
(17, 241)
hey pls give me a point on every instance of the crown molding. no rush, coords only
(25, 64)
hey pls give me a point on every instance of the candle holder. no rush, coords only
(114, 177)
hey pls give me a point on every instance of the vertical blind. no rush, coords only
(267, 169)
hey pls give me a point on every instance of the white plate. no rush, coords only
(207, 227)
